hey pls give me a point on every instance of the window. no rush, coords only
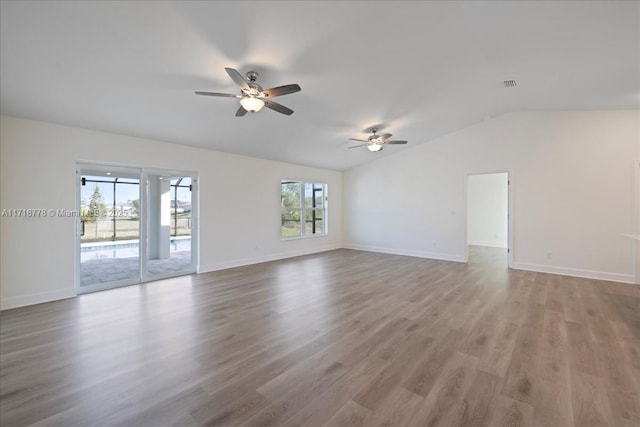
(304, 209)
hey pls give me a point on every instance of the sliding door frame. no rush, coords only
(145, 231)
(142, 172)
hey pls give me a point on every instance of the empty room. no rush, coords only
(301, 213)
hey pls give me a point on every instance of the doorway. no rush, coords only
(488, 219)
(135, 225)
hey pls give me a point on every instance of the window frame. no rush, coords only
(303, 209)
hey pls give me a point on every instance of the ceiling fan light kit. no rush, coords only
(252, 104)
(253, 97)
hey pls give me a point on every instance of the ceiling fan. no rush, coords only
(253, 97)
(375, 142)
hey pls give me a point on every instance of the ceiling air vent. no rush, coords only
(510, 83)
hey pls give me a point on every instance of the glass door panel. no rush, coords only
(109, 228)
(169, 225)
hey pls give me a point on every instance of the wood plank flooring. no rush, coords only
(341, 338)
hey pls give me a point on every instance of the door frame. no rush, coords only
(510, 205)
(142, 172)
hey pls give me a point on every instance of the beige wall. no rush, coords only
(239, 203)
(572, 175)
(573, 196)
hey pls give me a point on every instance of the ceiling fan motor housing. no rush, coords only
(254, 90)
(253, 97)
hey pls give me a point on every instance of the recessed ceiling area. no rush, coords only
(417, 69)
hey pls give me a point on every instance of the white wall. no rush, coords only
(487, 210)
(239, 203)
(572, 186)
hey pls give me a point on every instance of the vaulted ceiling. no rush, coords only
(418, 69)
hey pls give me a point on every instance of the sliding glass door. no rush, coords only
(134, 225)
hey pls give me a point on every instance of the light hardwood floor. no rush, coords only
(339, 338)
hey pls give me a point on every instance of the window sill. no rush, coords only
(313, 236)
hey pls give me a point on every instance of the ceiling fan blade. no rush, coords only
(226, 95)
(360, 140)
(359, 145)
(277, 107)
(237, 77)
(385, 136)
(241, 112)
(395, 142)
(281, 90)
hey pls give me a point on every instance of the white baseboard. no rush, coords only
(265, 258)
(21, 301)
(575, 272)
(396, 251)
(488, 244)
(24, 300)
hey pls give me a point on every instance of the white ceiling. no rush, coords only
(421, 69)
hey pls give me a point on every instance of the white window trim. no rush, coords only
(303, 210)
